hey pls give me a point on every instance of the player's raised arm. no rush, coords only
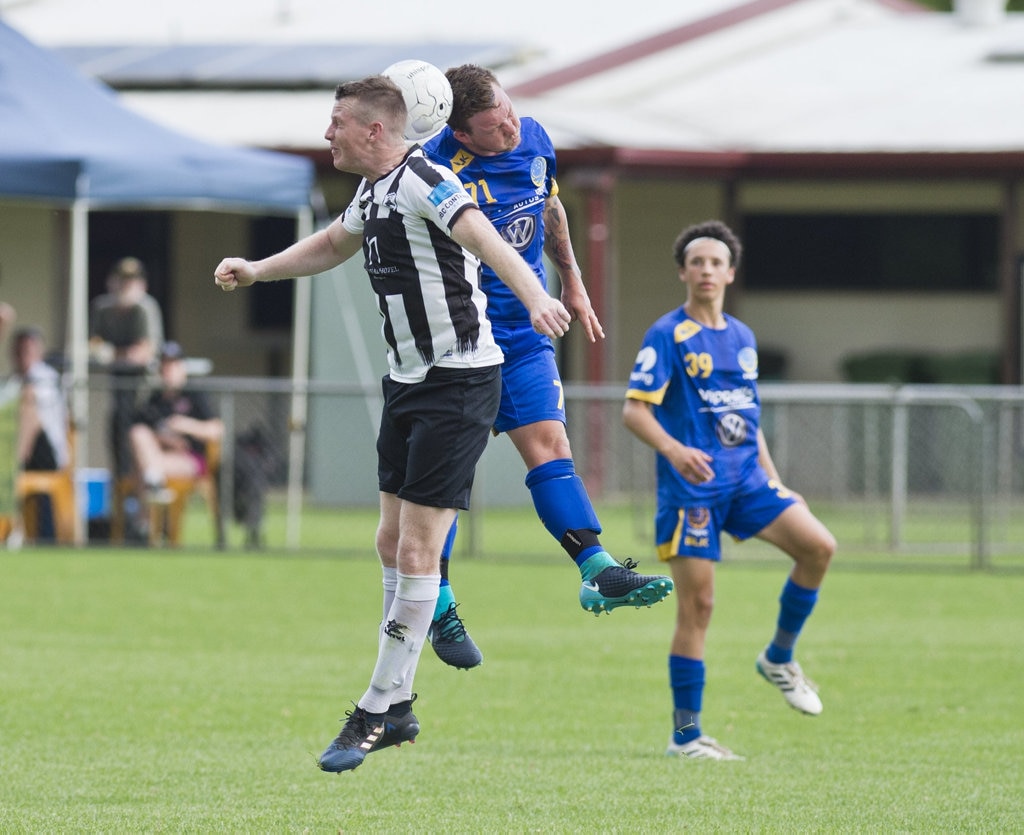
(558, 248)
(547, 315)
(317, 253)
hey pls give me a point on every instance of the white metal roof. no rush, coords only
(813, 76)
(781, 75)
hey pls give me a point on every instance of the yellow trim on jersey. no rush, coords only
(685, 329)
(653, 397)
(461, 160)
(554, 188)
(669, 550)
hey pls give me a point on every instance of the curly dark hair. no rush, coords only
(708, 229)
(472, 93)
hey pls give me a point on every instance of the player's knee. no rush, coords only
(387, 547)
(819, 551)
(545, 441)
(695, 608)
(559, 447)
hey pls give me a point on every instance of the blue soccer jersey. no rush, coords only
(702, 384)
(511, 189)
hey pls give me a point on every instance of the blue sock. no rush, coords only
(795, 605)
(686, 677)
(564, 508)
(445, 595)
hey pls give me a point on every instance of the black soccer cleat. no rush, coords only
(362, 732)
(451, 642)
(400, 725)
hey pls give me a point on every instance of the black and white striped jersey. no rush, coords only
(427, 285)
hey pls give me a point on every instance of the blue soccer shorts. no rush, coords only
(531, 388)
(695, 530)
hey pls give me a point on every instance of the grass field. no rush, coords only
(191, 692)
(935, 534)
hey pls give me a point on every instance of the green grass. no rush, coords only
(190, 692)
(935, 534)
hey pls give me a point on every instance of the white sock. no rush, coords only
(401, 642)
(403, 693)
(390, 584)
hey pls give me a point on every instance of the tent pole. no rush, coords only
(79, 317)
(79, 320)
(300, 396)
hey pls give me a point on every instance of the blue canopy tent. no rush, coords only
(66, 137)
(65, 140)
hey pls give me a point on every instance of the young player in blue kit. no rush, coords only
(508, 165)
(693, 398)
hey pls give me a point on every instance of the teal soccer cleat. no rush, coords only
(609, 585)
(451, 642)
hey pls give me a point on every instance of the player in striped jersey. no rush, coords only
(693, 398)
(422, 239)
(508, 165)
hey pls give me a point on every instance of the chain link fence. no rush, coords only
(897, 472)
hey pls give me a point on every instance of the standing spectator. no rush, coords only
(693, 398)
(129, 280)
(124, 333)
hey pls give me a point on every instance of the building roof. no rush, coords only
(708, 77)
(264, 66)
(800, 76)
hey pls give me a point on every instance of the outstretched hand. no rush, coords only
(232, 273)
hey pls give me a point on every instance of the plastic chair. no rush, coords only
(59, 486)
(165, 519)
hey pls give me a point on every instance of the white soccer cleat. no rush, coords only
(701, 748)
(799, 691)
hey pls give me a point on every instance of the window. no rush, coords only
(902, 252)
(271, 304)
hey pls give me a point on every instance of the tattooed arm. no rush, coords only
(558, 247)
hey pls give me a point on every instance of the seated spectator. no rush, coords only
(7, 318)
(42, 412)
(42, 431)
(169, 434)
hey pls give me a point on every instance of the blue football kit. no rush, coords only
(511, 189)
(702, 385)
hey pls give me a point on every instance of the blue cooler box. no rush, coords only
(95, 492)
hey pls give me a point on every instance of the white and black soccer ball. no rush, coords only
(428, 96)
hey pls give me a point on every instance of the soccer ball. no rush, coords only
(428, 97)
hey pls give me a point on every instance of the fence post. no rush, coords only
(225, 485)
(981, 549)
(900, 459)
